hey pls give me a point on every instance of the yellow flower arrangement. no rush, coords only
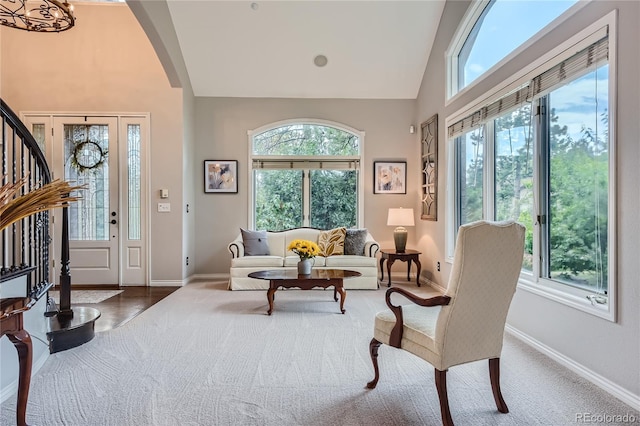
(304, 248)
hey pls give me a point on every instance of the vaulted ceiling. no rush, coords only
(373, 49)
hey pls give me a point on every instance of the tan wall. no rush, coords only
(611, 350)
(221, 133)
(106, 64)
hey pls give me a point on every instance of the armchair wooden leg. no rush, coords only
(441, 386)
(494, 374)
(373, 350)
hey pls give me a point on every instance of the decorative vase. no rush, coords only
(304, 266)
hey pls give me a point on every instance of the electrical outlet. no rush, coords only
(438, 266)
(187, 260)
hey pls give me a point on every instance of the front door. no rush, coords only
(86, 153)
(108, 227)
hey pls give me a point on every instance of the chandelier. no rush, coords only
(37, 15)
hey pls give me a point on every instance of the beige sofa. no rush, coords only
(280, 257)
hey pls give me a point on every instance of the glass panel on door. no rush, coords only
(134, 181)
(85, 152)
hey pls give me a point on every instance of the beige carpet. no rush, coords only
(86, 296)
(208, 356)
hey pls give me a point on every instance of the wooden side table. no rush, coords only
(391, 255)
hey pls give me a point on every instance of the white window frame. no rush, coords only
(464, 29)
(313, 121)
(565, 294)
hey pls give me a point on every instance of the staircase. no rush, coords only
(25, 258)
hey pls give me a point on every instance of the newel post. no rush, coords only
(65, 276)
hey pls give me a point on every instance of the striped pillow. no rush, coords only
(331, 242)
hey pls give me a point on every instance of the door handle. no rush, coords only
(113, 222)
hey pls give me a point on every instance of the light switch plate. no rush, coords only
(164, 207)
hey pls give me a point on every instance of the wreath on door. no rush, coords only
(88, 155)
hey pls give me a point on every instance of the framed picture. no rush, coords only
(221, 176)
(390, 177)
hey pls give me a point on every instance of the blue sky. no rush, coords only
(507, 25)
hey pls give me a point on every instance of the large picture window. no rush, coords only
(541, 155)
(305, 174)
(513, 173)
(578, 180)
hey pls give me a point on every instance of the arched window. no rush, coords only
(305, 174)
(493, 29)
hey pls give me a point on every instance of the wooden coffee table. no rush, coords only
(318, 278)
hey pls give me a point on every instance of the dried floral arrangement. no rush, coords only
(15, 206)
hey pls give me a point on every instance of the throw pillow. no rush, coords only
(255, 243)
(331, 242)
(354, 241)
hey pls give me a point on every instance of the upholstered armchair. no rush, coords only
(466, 323)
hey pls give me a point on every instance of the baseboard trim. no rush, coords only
(166, 283)
(602, 382)
(432, 285)
(209, 277)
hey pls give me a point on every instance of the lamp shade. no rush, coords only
(400, 217)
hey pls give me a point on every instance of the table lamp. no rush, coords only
(400, 218)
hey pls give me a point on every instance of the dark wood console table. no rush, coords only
(391, 255)
(11, 324)
(317, 278)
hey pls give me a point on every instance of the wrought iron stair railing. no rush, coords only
(25, 244)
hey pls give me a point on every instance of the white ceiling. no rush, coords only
(375, 49)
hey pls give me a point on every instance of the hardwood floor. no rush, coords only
(125, 306)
